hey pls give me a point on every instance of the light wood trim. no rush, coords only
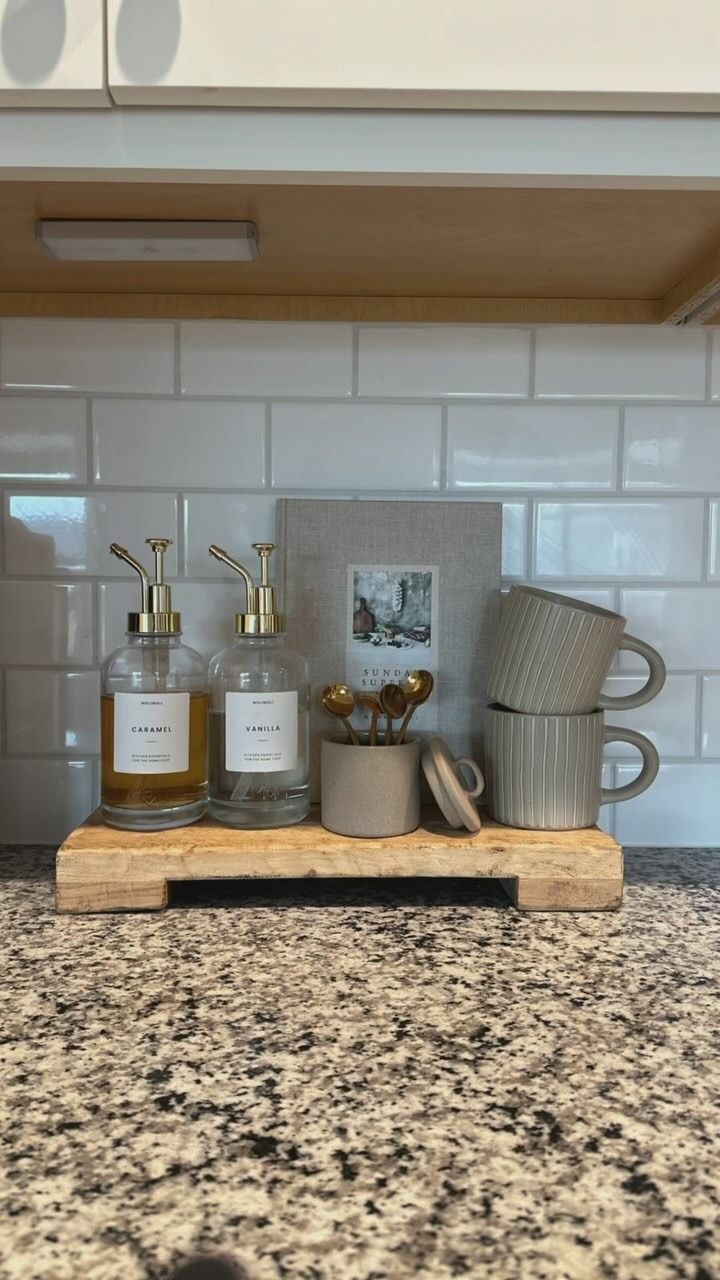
(184, 306)
(101, 869)
(696, 288)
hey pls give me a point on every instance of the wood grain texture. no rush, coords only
(101, 869)
(378, 253)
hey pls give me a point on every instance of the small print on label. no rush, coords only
(261, 732)
(152, 733)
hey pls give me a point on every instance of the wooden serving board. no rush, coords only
(101, 869)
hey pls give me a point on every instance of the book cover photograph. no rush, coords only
(375, 589)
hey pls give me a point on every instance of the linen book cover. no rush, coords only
(374, 589)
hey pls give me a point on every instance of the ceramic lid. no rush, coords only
(455, 799)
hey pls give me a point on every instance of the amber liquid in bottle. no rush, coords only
(160, 791)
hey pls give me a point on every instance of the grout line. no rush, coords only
(355, 362)
(267, 449)
(444, 449)
(320, 397)
(708, 365)
(699, 705)
(620, 458)
(177, 375)
(89, 444)
(530, 531)
(532, 364)
(706, 539)
(180, 538)
(496, 493)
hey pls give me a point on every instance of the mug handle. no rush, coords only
(648, 773)
(650, 690)
(479, 787)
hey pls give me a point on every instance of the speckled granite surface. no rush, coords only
(363, 1082)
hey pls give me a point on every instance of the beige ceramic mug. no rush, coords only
(553, 654)
(545, 772)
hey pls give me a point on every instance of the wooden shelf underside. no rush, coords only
(380, 253)
(102, 869)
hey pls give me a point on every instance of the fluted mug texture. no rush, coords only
(544, 773)
(553, 654)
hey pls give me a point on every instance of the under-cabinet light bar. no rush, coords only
(131, 241)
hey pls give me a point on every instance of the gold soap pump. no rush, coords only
(261, 617)
(157, 616)
(259, 711)
(153, 713)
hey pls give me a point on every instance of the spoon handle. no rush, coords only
(351, 732)
(404, 725)
(389, 740)
(373, 728)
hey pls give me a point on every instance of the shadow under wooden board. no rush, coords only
(102, 869)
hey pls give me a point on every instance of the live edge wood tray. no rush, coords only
(101, 869)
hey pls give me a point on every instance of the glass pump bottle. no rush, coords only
(153, 715)
(259, 713)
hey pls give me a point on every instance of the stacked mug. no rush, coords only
(546, 728)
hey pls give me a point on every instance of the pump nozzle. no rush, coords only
(261, 617)
(156, 616)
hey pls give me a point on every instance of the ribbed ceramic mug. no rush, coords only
(545, 772)
(553, 654)
(369, 791)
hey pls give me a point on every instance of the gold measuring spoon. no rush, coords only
(394, 705)
(339, 700)
(417, 687)
(371, 702)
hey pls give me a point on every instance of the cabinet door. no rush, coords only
(570, 54)
(52, 53)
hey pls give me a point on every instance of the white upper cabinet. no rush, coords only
(566, 54)
(52, 53)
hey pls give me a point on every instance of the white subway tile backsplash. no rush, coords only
(669, 720)
(672, 448)
(443, 361)
(88, 355)
(660, 539)
(71, 533)
(171, 443)
(648, 549)
(42, 800)
(711, 715)
(232, 521)
(207, 609)
(620, 362)
(532, 446)
(682, 622)
(514, 521)
(49, 711)
(42, 438)
(356, 446)
(221, 357)
(680, 808)
(46, 623)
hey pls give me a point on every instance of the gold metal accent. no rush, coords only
(261, 617)
(157, 616)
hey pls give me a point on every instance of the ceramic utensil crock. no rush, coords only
(553, 654)
(369, 791)
(545, 772)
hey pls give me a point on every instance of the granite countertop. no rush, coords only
(361, 1081)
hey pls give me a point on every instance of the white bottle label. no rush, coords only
(152, 733)
(261, 732)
